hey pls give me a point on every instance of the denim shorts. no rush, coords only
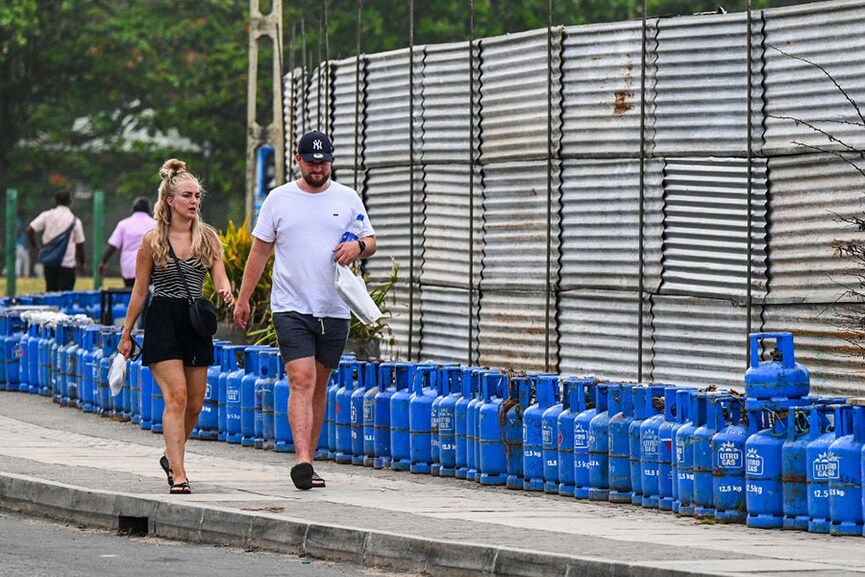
(301, 336)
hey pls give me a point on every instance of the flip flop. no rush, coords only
(302, 474)
(166, 466)
(180, 489)
(317, 482)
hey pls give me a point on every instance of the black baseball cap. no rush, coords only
(314, 146)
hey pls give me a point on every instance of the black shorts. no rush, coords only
(302, 336)
(168, 335)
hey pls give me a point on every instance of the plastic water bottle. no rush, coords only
(355, 228)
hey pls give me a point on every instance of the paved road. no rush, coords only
(39, 548)
(87, 469)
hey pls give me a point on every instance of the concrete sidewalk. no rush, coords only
(82, 468)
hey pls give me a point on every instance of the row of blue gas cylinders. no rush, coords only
(785, 460)
(88, 303)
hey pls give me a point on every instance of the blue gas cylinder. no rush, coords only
(519, 398)
(46, 340)
(550, 439)
(728, 461)
(620, 447)
(369, 406)
(780, 378)
(157, 401)
(133, 374)
(57, 376)
(223, 357)
(656, 402)
(533, 439)
(821, 467)
(251, 363)
(90, 341)
(684, 443)
(591, 397)
(32, 356)
(329, 426)
(381, 433)
(71, 366)
(15, 329)
(447, 421)
(493, 458)
(208, 419)
(145, 379)
(683, 407)
(764, 497)
(24, 349)
(283, 441)
(804, 424)
(270, 359)
(234, 366)
(704, 496)
(349, 374)
(642, 401)
(370, 379)
(400, 436)
(571, 407)
(599, 444)
(110, 338)
(472, 453)
(845, 489)
(469, 387)
(424, 391)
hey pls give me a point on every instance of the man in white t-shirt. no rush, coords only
(52, 223)
(302, 223)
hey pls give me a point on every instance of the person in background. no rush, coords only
(177, 356)
(302, 222)
(22, 253)
(127, 237)
(52, 223)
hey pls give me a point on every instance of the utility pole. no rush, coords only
(273, 132)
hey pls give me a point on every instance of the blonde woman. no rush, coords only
(176, 355)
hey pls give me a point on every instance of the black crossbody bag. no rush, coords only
(202, 314)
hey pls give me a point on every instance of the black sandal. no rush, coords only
(302, 474)
(180, 489)
(317, 482)
(166, 466)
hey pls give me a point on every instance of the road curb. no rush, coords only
(211, 524)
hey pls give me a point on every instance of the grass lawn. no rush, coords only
(27, 286)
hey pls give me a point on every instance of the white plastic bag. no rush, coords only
(353, 291)
(117, 374)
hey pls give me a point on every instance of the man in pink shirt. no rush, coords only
(127, 237)
(59, 276)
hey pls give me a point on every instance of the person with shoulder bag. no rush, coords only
(175, 256)
(62, 250)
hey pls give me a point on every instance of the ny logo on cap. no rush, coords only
(316, 145)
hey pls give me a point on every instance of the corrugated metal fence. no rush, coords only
(569, 201)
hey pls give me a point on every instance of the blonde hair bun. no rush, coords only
(172, 168)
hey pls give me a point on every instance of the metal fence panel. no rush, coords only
(515, 208)
(515, 116)
(349, 113)
(453, 239)
(512, 330)
(701, 100)
(598, 334)
(808, 195)
(706, 228)
(815, 76)
(446, 325)
(601, 78)
(601, 224)
(699, 342)
(449, 130)
(389, 108)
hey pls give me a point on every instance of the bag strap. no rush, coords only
(180, 271)
(67, 232)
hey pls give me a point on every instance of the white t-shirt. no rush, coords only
(305, 228)
(55, 221)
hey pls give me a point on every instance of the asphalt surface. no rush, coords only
(81, 468)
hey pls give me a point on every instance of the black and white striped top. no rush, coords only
(167, 281)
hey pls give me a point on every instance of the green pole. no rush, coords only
(98, 241)
(11, 217)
